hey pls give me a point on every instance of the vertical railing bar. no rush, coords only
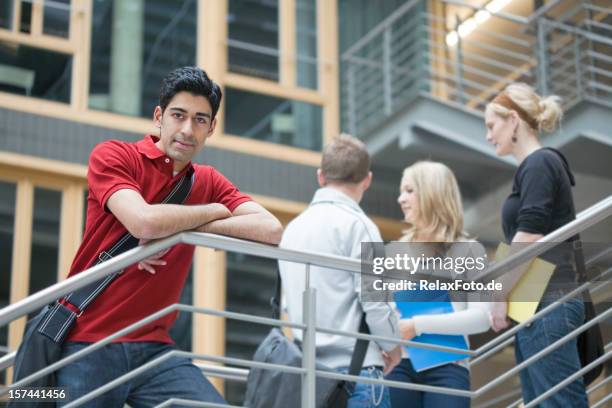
(542, 57)
(459, 63)
(350, 74)
(309, 344)
(589, 13)
(387, 71)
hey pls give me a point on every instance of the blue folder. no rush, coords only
(411, 303)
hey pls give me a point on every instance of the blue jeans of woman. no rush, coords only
(175, 377)
(557, 365)
(448, 375)
(368, 395)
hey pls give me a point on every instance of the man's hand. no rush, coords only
(391, 359)
(407, 329)
(499, 316)
(219, 212)
(154, 260)
(249, 221)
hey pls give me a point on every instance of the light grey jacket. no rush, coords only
(334, 224)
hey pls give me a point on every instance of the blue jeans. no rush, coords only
(557, 365)
(176, 377)
(368, 395)
(448, 375)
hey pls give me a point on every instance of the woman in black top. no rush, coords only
(540, 202)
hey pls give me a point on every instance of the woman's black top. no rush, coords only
(541, 202)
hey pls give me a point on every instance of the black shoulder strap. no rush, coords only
(83, 297)
(578, 253)
(275, 300)
(361, 348)
(575, 240)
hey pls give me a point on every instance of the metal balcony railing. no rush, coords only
(585, 219)
(563, 48)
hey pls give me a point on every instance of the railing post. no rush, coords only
(350, 91)
(387, 72)
(458, 63)
(542, 57)
(309, 344)
(578, 67)
(591, 63)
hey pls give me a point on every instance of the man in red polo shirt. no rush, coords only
(126, 181)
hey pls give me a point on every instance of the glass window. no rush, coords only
(6, 14)
(45, 238)
(306, 30)
(56, 18)
(250, 285)
(35, 72)
(133, 47)
(7, 225)
(26, 18)
(253, 38)
(272, 119)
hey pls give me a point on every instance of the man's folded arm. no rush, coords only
(249, 221)
(150, 221)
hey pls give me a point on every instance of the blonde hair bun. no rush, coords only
(550, 113)
(546, 112)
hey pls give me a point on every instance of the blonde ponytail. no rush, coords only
(550, 113)
(542, 114)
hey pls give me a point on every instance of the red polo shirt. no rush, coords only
(135, 294)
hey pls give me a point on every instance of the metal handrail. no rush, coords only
(124, 260)
(505, 339)
(576, 30)
(173, 402)
(597, 8)
(228, 373)
(570, 379)
(248, 363)
(584, 220)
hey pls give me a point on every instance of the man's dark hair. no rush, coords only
(193, 80)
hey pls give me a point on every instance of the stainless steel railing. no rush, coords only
(563, 48)
(585, 219)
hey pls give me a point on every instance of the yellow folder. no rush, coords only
(531, 286)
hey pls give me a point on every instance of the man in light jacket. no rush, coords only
(334, 223)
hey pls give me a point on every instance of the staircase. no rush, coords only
(413, 89)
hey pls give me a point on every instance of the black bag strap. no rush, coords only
(361, 348)
(83, 297)
(578, 253)
(579, 262)
(361, 345)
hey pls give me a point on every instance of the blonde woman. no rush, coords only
(431, 203)
(540, 202)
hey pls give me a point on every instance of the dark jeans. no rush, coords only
(369, 395)
(557, 365)
(448, 375)
(176, 377)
